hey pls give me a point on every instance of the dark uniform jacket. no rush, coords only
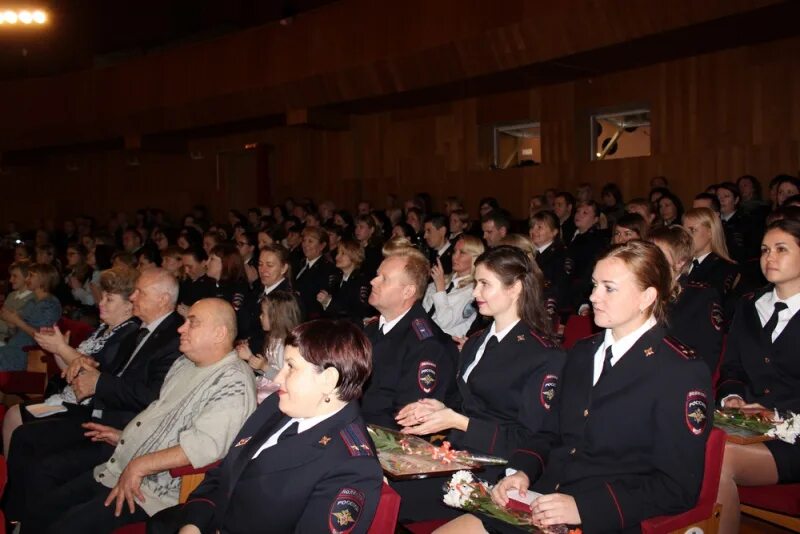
(632, 446)
(510, 391)
(193, 290)
(350, 299)
(237, 292)
(446, 258)
(697, 320)
(373, 256)
(740, 237)
(414, 360)
(122, 397)
(582, 253)
(326, 479)
(720, 274)
(757, 369)
(323, 275)
(552, 262)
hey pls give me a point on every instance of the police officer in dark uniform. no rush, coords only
(303, 462)
(551, 257)
(507, 378)
(349, 299)
(274, 274)
(760, 369)
(696, 316)
(710, 264)
(196, 285)
(626, 438)
(583, 249)
(438, 247)
(412, 357)
(316, 274)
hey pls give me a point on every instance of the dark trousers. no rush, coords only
(78, 507)
(45, 454)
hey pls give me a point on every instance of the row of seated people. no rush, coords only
(537, 413)
(436, 370)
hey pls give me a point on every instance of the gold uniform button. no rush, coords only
(586, 413)
(558, 486)
(766, 359)
(573, 451)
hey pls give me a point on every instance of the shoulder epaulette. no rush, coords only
(698, 285)
(545, 342)
(476, 333)
(422, 328)
(356, 441)
(681, 348)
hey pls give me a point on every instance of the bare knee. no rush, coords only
(465, 524)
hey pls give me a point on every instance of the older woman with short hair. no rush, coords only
(41, 311)
(309, 440)
(118, 324)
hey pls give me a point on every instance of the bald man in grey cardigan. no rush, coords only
(206, 397)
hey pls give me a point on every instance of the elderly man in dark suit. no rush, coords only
(47, 453)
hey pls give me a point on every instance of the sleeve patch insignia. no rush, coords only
(426, 376)
(717, 318)
(696, 412)
(242, 441)
(422, 329)
(548, 390)
(345, 511)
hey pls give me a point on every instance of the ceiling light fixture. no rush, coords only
(24, 16)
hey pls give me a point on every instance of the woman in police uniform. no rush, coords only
(302, 462)
(711, 264)
(760, 369)
(695, 317)
(507, 375)
(592, 465)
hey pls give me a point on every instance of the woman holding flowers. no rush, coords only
(507, 375)
(761, 371)
(626, 439)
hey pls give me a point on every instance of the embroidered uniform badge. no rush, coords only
(242, 441)
(548, 390)
(345, 511)
(426, 376)
(696, 411)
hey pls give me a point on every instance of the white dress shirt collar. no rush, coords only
(386, 326)
(619, 347)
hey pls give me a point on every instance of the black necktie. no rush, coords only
(450, 287)
(380, 331)
(290, 431)
(306, 266)
(606, 364)
(492, 343)
(695, 264)
(769, 328)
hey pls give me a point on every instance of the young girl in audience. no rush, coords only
(711, 263)
(280, 312)
(507, 376)
(761, 371)
(43, 310)
(449, 299)
(592, 467)
(17, 299)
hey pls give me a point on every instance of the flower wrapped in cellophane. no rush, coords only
(465, 492)
(405, 456)
(752, 427)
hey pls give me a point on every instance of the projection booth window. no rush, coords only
(625, 134)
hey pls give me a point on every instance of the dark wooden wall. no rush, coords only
(715, 117)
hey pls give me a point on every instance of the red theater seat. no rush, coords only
(577, 328)
(779, 504)
(705, 515)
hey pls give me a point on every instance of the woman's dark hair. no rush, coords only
(633, 221)
(408, 231)
(232, 263)
(754, 182)
(613, 190)
(283, 256)
(650, 268)
(676, 202)
(150, 253)
(731, 187)
(346, 217)
(284, 314)
(511, 264)
(376, 239)
(661, 191)
(549, 218)
(80, 249)
(338, 344)
(193, 236)
(789, 225)
(48, 273)
(489, 201)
